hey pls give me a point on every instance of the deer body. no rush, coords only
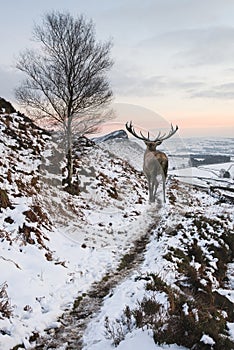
(155, 162)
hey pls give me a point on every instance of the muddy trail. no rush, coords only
(68, 336)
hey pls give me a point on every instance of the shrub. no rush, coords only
(156, 283)
(5, 305)
(4, 199)
(114, 331)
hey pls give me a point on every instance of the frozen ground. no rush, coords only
(54, 246)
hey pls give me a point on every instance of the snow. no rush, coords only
(207, 340)
(206, 174)
(86, 236)
(122, 134)
(231, 329)
(46, 288)
(185, 308)
(138, 340)
(132, 290)
(127, 293)
(229, 294)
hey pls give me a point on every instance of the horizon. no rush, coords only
(147, 120)
(208, 137)
(144, 116)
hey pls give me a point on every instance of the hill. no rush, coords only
(104, 267)
(44, 228)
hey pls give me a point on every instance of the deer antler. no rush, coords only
(166, 136)
(130, 128)
(159, 137)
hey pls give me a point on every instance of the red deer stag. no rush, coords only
(155, 162)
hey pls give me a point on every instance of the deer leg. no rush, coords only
(155, 187)
(150, 189)
(164, 189)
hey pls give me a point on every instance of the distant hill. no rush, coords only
(118, 134)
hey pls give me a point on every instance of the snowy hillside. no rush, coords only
(55, 245)
(104, 269)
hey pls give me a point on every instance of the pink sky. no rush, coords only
(194, 124)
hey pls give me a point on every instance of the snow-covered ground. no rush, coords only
(207, 175)
(55, 245)
(133, 289)
(48, 262)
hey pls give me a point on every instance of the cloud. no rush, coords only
(136, 84)
(223, 91)
(158, 16)
(194, 47)
(211, 46)
(133, 81)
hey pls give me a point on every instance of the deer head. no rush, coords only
(156, 141)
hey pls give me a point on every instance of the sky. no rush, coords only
(173, 58)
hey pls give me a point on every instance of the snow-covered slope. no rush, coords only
(185, 282)
(55, 245)
(129, 150)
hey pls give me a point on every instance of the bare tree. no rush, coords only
(66, 77)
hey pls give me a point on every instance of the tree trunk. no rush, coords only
(69, 154)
